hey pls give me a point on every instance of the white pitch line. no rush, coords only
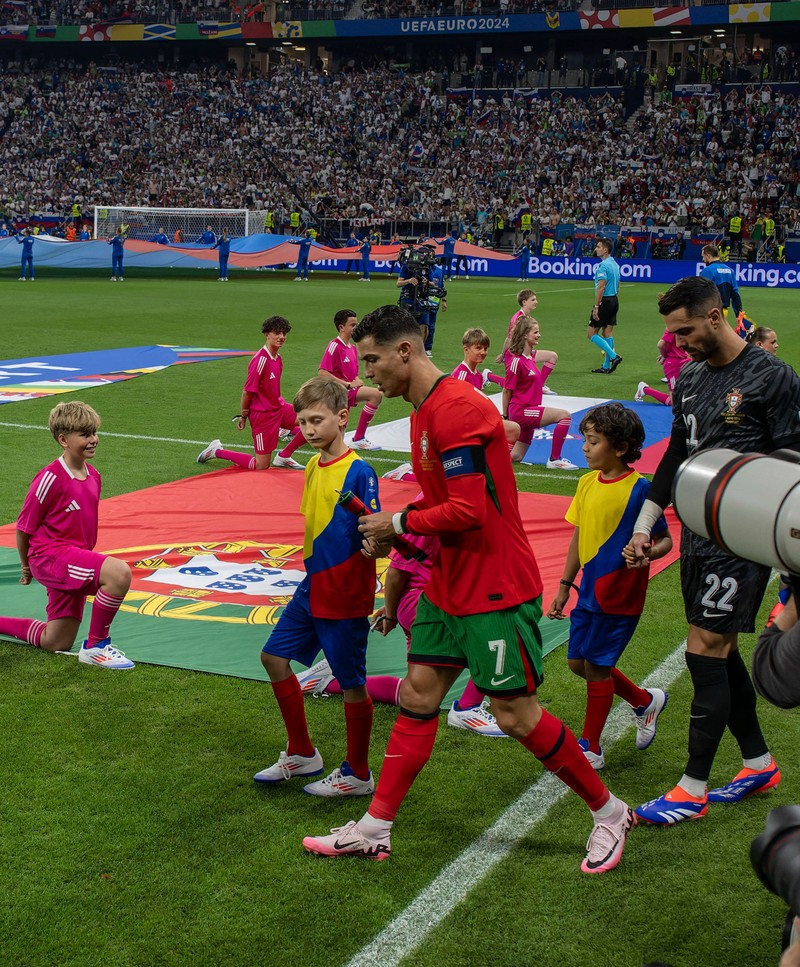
(242, 446)
(410, 929)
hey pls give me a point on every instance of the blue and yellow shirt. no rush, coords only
(341, 580)
(605, 512)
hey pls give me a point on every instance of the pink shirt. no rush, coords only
(524, 381)
(60, 509)
(264, 381)
(341, 360)
(674, 358)
(467, 375)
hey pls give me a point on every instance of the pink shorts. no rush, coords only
(529, 419)
(267, 426)
(69, 574)
(351, 397)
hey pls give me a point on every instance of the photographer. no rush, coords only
(776, 660)
(420, 288)
(729, 396)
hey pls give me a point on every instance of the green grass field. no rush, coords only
(132, 833)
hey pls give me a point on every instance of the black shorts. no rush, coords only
(606, 313)
(722, 593)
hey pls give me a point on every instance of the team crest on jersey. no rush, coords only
(733, 401)
(423, 444)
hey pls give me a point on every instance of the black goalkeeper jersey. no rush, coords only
(751, 405)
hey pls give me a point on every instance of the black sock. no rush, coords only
(711, 707)
(743, 720)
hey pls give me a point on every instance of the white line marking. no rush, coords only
(409, 930)
(243, 446)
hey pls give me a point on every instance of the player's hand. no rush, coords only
(25, 574)
(636, 552)
(556, 609)
(381, 623)
(377, 528)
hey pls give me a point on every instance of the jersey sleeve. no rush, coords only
(38, 501)
(512, 381)
(575, 509)
(330, 360)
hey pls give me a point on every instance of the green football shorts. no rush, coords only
(502, 649)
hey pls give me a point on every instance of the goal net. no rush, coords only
(144, 223)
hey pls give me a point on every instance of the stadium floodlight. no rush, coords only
(144, 223)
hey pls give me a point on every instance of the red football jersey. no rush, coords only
(461, 460)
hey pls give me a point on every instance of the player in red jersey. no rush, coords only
(340, 363)
(56, 534)
(263, 405)
(482, 604)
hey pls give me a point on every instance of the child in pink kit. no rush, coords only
(404, 583)
(545, 359)
(672, 359)
(263, 405)
(56, 534)
(522, 396)
(340, 363)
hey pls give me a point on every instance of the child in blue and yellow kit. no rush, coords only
(331, 607)
(611, 595)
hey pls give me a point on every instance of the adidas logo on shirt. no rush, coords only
(74, 505)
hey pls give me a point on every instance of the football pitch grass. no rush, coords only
(132, 831)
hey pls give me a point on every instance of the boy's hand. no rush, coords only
(637, 553)
(25, 577)
(381, 623)
(556, 609)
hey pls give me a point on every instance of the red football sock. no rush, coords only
(364, 420)
(656, 395)
(557, 749)
(599, 699)
(410, 746)
(290, 701)
(358, 721)
(240, 459)
(471, 696)
(23, 629)
(629, 691)
(294, 444)
(559, 436)
(104, 610)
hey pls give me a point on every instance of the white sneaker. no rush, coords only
(639, 395)
(664, 379)
(365, 444)
(365, 280)
(597, 762)
(546, 391)
(121, 278)
(350, 840)
(607, 841)
(21, 278)
(103, 654)
(285, 436)
(210, 451)
(297, 278)
(561, 464)
(486, 374)
(478, 719)
(341, 783)
(316, 679)
(429, 352)
(113, 278)
(399, 472)
(648, 720)
(287, 463)
(289, 766)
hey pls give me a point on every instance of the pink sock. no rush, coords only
(471, 696)
(104, 610)
(23, 629)
(240, 459)
(656, 395)
(381, 688)
(364, 420)
(547, 368)
(559, 435)
(294, 444)
(497, 379)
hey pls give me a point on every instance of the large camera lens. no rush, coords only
(747, 503)
(775, 854)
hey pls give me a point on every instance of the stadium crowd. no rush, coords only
(389, 144)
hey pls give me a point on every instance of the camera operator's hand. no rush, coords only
(791, 956)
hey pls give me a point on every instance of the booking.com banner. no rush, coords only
(760, 275)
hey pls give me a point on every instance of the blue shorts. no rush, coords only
(299, 636)
(599, 638)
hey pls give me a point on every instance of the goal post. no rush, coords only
(144, 223)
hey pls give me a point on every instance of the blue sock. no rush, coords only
(606, 347)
